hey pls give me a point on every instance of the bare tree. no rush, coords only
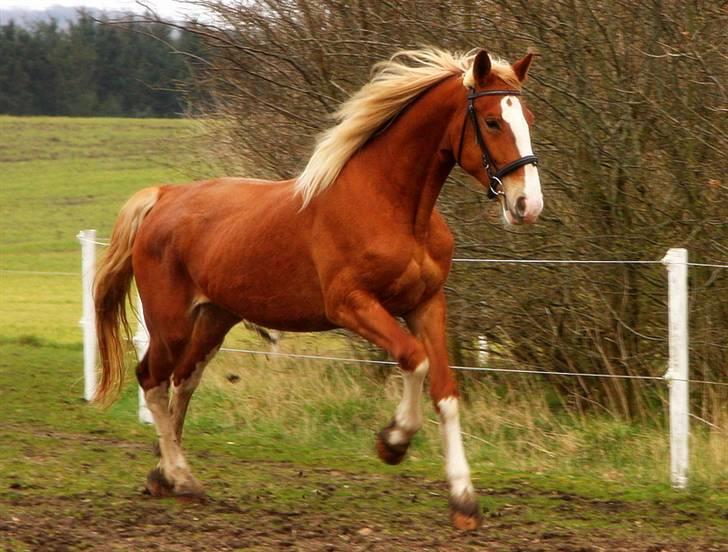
(630, 103)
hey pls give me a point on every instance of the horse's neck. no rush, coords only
(408, 164)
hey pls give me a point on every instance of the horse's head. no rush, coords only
(494, 142)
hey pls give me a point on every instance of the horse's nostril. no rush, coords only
(521, 206)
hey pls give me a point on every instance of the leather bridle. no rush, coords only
(495, 186)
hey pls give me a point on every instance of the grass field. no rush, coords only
(285, 452)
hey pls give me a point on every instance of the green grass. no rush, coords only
(61, 175)
(65, 459)
(58, 176)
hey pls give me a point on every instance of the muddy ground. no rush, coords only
(72, 478)
(291, 507)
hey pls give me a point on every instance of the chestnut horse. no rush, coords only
(354, 242)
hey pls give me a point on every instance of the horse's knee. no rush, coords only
(412, 355)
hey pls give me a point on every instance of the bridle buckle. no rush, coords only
(486, 162)
(497, 190)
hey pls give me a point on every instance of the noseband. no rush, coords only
(495, 186)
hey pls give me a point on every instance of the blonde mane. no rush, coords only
(394, 84)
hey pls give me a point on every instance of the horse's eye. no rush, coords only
(492, 124)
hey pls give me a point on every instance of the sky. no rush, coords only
(167, 8)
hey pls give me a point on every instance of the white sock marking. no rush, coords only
(456, 465)
(173, 462)
(408, 416)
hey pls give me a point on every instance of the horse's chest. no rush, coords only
(419, 280)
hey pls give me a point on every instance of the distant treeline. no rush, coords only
(93, 68)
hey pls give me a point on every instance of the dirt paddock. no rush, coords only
(290, 507)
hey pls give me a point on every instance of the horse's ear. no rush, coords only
(481, 67)
(522, 65)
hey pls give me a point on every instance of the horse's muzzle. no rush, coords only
(525, 210)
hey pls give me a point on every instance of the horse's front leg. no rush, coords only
(428, 324)
(394, 440)
(364, 315)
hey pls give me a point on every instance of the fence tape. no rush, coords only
(522, 261)
(463, 368)
(553, 261)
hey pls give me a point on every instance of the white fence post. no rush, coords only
(88, 320)
(141, 343)
(677, 372)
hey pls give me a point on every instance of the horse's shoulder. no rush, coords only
(439, 235)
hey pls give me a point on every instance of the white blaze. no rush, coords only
(512, 113)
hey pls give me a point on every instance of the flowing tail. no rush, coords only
(111, 288)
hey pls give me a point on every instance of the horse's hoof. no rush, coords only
(389, 453)
(191, 498)
(160, 487)
(157, 485)
(465, 513)
(190, 491)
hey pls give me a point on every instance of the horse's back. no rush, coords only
(234, 241)
(221, 196)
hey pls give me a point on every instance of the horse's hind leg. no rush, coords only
(211, 325)
(172, 474)
(183, 362)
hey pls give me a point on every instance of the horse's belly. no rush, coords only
(277, 291)
(290, 324)
(277, 310)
